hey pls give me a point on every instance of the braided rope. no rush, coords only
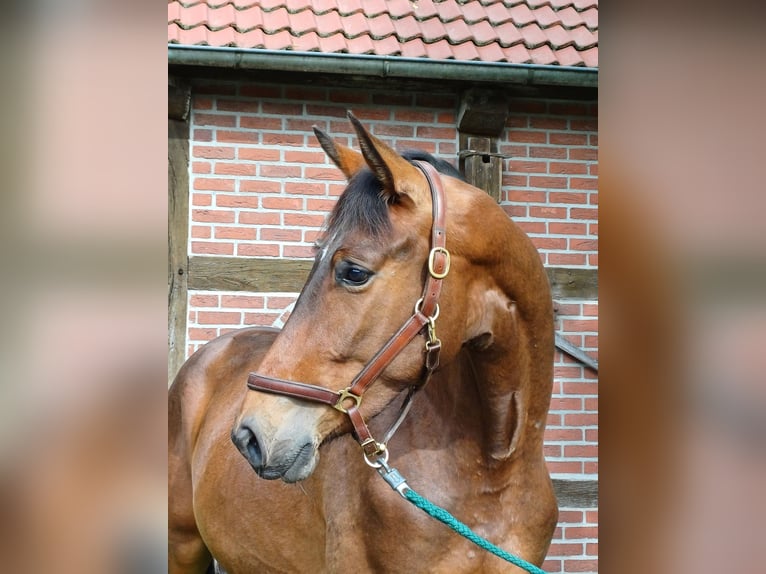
(443, 516)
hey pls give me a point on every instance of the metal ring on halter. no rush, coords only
(419, 304)
(377, 464)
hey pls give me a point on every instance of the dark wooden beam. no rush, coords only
(482, 112)
(481, 166)
(208, 273)
(576, 493)
(179, 99)
(178, 225)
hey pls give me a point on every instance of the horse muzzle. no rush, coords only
(290, 460)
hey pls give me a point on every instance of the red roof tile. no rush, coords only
(562, 32)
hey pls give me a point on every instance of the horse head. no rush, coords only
(369, 271)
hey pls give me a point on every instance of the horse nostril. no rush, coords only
(245, 440)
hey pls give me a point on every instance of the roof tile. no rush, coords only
(458, 32)
(432, 29)
(543, 55)
(483, 33)
(440, 50)
(465, 51)
(425, 9)
(563, 32)
(568, 56)
(407, 28)
(329, 23)
(302, 22)
(381, 27)
(276, 20)
(333, 43)
(415, 48)
(558, 37)
(473, 12)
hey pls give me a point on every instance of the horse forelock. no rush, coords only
(362, 207)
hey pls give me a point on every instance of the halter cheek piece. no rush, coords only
(423, 318)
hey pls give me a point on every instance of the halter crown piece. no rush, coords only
(422, 320)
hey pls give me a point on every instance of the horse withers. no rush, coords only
(422, 288)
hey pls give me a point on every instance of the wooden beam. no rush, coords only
(212, 273)
(481, 166)
(482, 112)
(179, 99)
(573, 283)
(576, 493)
(178, 225)
(248, 274)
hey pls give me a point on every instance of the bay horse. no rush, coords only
(407, 248)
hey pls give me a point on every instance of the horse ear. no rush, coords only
(394, 172)
(348, 160)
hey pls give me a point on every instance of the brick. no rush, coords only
(580, 388)
(270, 234)
(298, 251)
(548, 182)
(579, 325)
(302, 188)
(553, 566)
(414, 116)
(589, 183)
(585, 125)
(591, 404)
(201, 167)
(305, 93)
(422, 145)
(204, 335)
(568, 108)
(282, 109)
(210, 248)
(548, 152)
(259, 186)
(591, 435)
(529, 106)
(548, 212)
(307, 125)
(436, 133)
(590, 467)
(243, 301)
(322, 110)
(447, 148)
(567, 167)
(552, 451)
(324, 205)
(515, 210)
(528, 166)
(203, 300)
(210, 152)
(323, 173)
(447, 118)
(200, 135)
(567, 228)
(213, 184)
(216, 89)
(516, 180)
(565, 549)
(566, 404)
(583, 154)
(583, 213)
(392, 99)
(261, 319)
(212, 216)
(231, 136)
(527, 136)
(571, 516)
(280, 171)
(581, 419)
(241, 233)
(580, 451)
(200, 232)
(279, 302)
(395, 130)
(526, 196)
(349, 96)
(532, 227)
(259, 218)
(304, 220)
(549, 242)
(260, 123)
(202, 103)
(567, 197)
(304, 156)
(223, 168)
(246, 201)
(581, 565)
(434, 101)
(564, 467)
(270, 138)
(560, 372)
(583, 244)
(567, 139)
(591, 548)
(202, 199)
(566, 434)
(257, 250)
(257, 154)
(221, 120)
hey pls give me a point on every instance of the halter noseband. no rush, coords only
(426, 311)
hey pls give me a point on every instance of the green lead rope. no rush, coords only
(399, 483)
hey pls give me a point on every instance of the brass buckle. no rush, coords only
(431, 257)
(342, 396)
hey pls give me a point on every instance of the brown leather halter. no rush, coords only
(426, 311)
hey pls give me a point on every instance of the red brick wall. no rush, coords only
(261, 187)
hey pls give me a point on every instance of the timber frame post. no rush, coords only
(480, 122)
(179, 99)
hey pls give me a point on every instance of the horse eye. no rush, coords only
(351, 274)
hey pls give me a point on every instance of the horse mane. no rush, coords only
(361, 207)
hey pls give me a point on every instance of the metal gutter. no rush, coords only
(382, 66)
